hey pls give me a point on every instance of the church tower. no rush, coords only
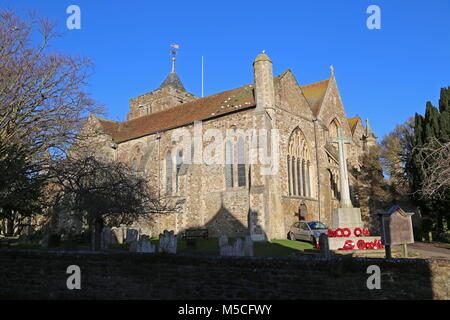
(169, 94)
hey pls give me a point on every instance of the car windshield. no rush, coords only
(316, 225)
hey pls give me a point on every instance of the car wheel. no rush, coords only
(291, 236)
(313, 240)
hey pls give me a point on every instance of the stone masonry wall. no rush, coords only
(29, 275)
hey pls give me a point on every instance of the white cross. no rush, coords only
(345, 191)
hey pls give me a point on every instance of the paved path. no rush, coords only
(427, 250)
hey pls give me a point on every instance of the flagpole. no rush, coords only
(202, 76)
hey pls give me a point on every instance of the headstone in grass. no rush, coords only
(119, 233)
(248, 246)
(167, 242)
(133, 246)
(238, 249)
(132, 235)
(108, 237)
(226, 250)
(145, 245)
(324, 246)
(223, 241)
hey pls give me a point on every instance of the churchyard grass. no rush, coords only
(275, 248)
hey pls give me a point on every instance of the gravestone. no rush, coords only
(167, 242)
(133, 246)
(108, 237)
(120, 233)
(248, 246)
(238, 249)
(131, 235)
(324, 246)
(144, 245)
(223, 240)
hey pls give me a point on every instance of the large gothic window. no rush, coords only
(169, 168)
(241, 162)
(179, 164)
(308, 178)
(299, 173)
(333, 128)
(299, 159)
(289, 175)
(294, 178)
(229, 164)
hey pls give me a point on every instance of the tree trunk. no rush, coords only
(9, 227)
(96, 233)
(440, 223)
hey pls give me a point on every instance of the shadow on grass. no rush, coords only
(275, 248)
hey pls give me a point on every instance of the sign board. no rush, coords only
(396, 227)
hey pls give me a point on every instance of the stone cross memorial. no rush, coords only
(346, 216)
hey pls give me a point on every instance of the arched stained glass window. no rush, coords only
(169, 172)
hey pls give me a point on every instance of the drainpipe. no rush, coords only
(317, 164)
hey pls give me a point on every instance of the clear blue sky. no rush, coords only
(386, 75)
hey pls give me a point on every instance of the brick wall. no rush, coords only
(42, 275)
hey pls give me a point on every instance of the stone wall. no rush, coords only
(157, 100)
(29, 275)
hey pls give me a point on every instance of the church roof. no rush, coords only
(174, 81)
(314, 93)
(352, 122)
(199, 109)
(182, 114)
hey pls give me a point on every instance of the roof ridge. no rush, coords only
(178, 106)
(314, 83)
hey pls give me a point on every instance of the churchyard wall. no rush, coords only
(42, 275)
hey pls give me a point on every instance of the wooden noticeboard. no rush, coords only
(396, 227)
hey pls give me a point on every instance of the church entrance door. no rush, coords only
(302, 212)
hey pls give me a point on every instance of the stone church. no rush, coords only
(234, 197)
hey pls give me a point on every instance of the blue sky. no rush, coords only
(386, 75)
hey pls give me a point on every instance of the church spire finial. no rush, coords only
(173, 53)
(332, 70)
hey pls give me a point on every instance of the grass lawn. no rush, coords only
(275, 248)
(281, 248)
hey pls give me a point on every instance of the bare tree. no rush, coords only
(43, 101)
(435, 166)
(43, 104)
(105, 191)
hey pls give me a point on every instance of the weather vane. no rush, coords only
(173, 53)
